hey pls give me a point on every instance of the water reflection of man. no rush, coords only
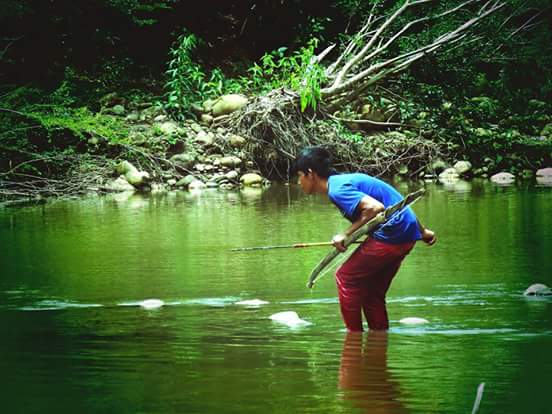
(363, 375)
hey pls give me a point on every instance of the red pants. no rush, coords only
(363, 281)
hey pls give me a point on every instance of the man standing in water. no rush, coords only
(363, 280)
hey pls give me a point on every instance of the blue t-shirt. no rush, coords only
(346, 191)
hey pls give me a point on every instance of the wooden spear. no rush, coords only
(285, 246)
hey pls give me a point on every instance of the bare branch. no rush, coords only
(358, 57)
(369, 122)
(377, 72)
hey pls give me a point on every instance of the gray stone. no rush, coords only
(206, 119)
(204, 138)
(538, 289)
(169, 128)
(196, 127)
(544, 172)
(503, 178)
(131, 174)
(117, 110)
(184, 160)
(200, 167)
(120, 185)
(545, 181)
(232, 175)
(227, 104)
(186, 181)
(237, 141)
(449, 174)
(196, 185)
(218, 178)
(171, 182)
(230, 161)
(462, 167)
(160, 118)
(251, 179)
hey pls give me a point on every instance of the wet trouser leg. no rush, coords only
(363, 281)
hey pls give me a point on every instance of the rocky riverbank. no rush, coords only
(192, 154)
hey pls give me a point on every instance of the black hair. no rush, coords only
(316, 158)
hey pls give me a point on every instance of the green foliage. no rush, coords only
(346, 134)
(185, 78)
(188, 82)
(80, 122)
(299, 71)
(25, 110)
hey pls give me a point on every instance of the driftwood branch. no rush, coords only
(360, 66)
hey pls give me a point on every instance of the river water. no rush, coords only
(76, 340)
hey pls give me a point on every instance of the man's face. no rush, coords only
(306, 181)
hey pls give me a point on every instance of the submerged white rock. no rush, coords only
(252, 302)
(538, 289)
(413, 321)
(151, 303)
(289, 318)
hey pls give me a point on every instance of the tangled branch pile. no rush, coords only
(82, 173)
(277, 130)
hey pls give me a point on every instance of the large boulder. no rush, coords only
(119, 185)
(227, 104)
(538, 289)
(230, 161)
(463, 167)
(545, 172)
(544, 176)
(132, 175)
(503, 178)
(184, 160)
(449, 174)
(251, 179)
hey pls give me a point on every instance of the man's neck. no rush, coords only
(321, 185)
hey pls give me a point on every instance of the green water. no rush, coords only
(75, 340)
